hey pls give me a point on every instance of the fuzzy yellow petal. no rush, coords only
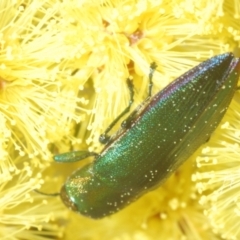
(63, 70)
(218, 176)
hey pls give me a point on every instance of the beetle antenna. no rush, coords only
(47, 194)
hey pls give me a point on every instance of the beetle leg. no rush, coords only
(153, 67)
(74, 156)
(104, 138)
(128, 121)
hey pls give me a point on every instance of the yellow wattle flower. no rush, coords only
(217, 176)
(24, 214)
(63, 70)
(37, 108)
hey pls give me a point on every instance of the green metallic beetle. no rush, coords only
(154, 141)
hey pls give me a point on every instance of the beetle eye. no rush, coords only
(67, 200)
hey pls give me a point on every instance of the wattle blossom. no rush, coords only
(63, 71)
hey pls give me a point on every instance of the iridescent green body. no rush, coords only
(169, 129)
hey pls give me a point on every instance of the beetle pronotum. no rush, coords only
(156, 140)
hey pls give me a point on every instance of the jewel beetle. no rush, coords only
(154, 141)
